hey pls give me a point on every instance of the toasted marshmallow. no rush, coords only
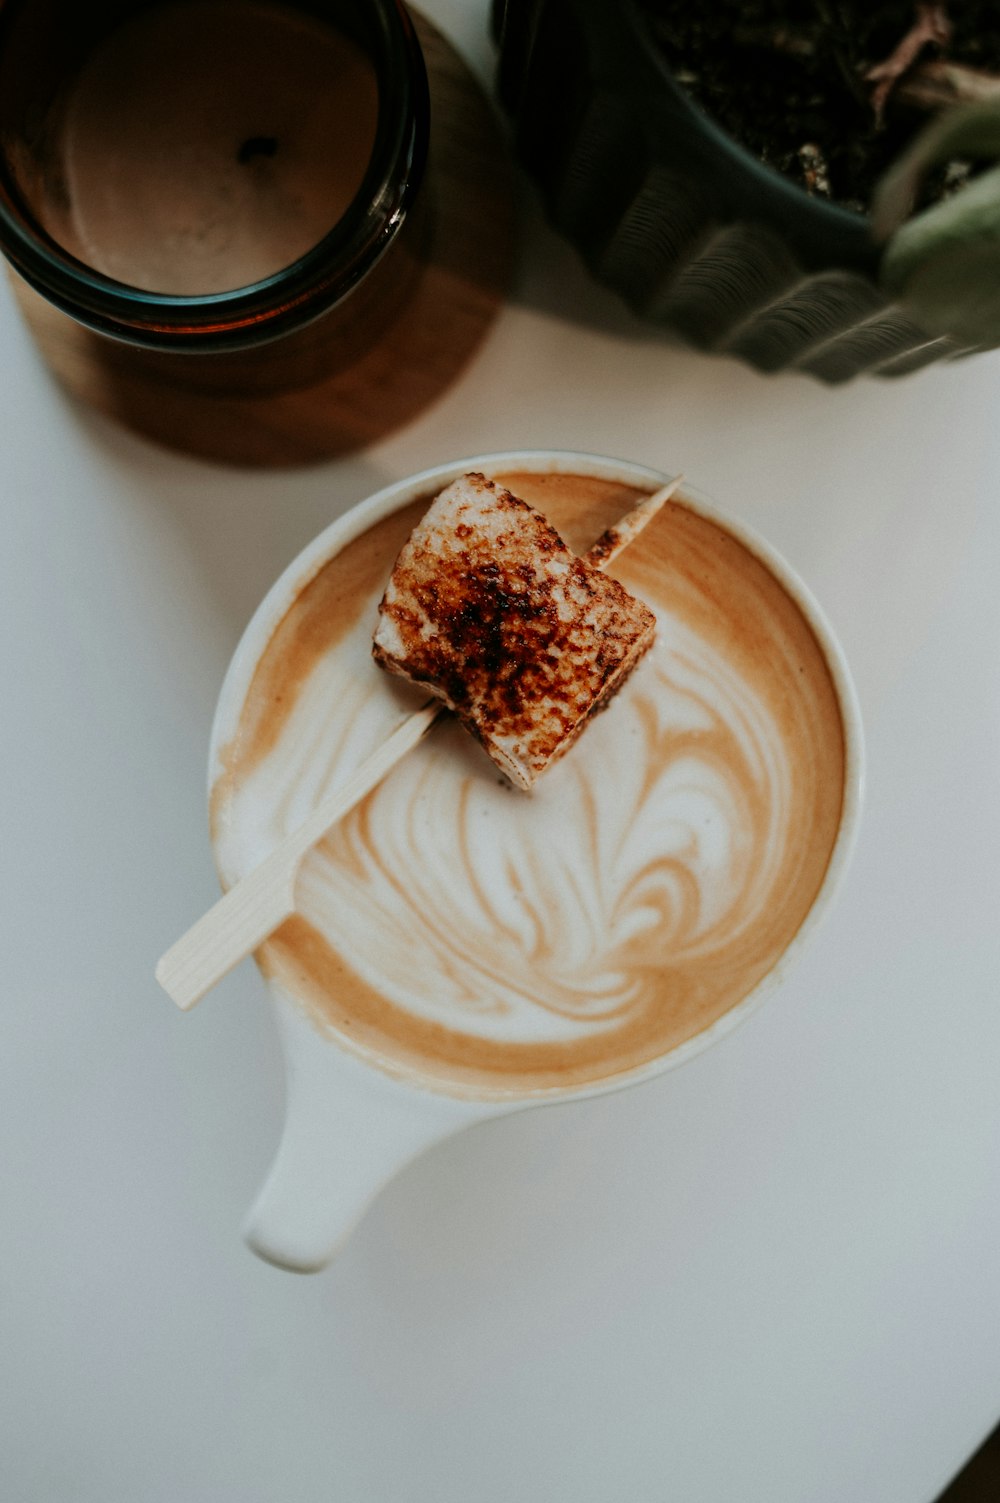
(488, 609)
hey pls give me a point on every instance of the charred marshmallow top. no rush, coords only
(489, 610)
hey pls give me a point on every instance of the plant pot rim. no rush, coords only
(824, 206)
(822, 219)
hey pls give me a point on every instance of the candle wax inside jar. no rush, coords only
(205, 146)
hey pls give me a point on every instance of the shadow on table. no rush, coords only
(555, 282)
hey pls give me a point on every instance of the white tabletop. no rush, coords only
(771, 1275)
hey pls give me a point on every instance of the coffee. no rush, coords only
(502, 942)
(204, 147)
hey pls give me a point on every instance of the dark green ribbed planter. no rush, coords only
(690, 229)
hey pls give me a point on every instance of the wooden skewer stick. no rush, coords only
(262, 900)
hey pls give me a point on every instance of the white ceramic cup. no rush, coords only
(351, 1127)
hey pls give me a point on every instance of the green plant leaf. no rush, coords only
(944, 263)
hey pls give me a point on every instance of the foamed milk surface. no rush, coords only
(496, 938)
(154, 184)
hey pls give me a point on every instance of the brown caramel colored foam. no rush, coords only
(725, 594)
(205, 147)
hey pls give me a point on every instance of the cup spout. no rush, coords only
(348, 1131)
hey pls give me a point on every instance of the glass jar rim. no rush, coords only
(289, 298)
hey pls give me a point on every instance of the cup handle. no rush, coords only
(349, 1129)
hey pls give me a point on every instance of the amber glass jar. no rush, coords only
(282, 330)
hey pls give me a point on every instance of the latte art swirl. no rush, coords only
(645, 885)
(549, 919)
